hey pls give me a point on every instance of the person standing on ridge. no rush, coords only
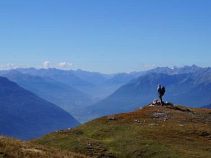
(161, 91)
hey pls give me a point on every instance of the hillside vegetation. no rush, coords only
(11, 148)
(151, 132)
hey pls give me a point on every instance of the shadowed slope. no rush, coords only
(24, 115)
(66, 97)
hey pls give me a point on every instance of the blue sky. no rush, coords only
(105, 35)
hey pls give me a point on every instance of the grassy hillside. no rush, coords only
(151, 132)
(10, 148)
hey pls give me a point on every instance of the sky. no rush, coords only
(105, 35)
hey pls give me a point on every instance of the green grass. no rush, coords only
(184, 134)
(11, 148)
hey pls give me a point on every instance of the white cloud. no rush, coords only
(8, 66)
(149, 66)
(46, 64)
(65, 65)
(62, 65)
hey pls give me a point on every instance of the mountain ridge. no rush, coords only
(24, 115)
(185, 88)
(51, 90)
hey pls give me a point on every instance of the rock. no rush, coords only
(137, 121)
(182, 108)
(204, 134)
(111, 117)
(160, 115)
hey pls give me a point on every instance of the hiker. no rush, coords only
(161, 91)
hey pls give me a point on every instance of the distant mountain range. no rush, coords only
(187, 86)
(97, 85)
(207, 106)
(87, 95)
(65, 96)
(177, 70)
(24, 115)
(71, 90)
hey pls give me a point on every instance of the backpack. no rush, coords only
(163, 90)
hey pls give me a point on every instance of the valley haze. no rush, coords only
(88, 95)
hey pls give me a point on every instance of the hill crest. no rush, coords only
(153, 131)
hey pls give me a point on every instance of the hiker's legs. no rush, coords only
(161, 100)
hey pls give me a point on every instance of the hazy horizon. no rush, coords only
(78, 69)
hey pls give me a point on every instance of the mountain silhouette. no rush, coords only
(24, 115)
(65, 96)
(187, 89)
